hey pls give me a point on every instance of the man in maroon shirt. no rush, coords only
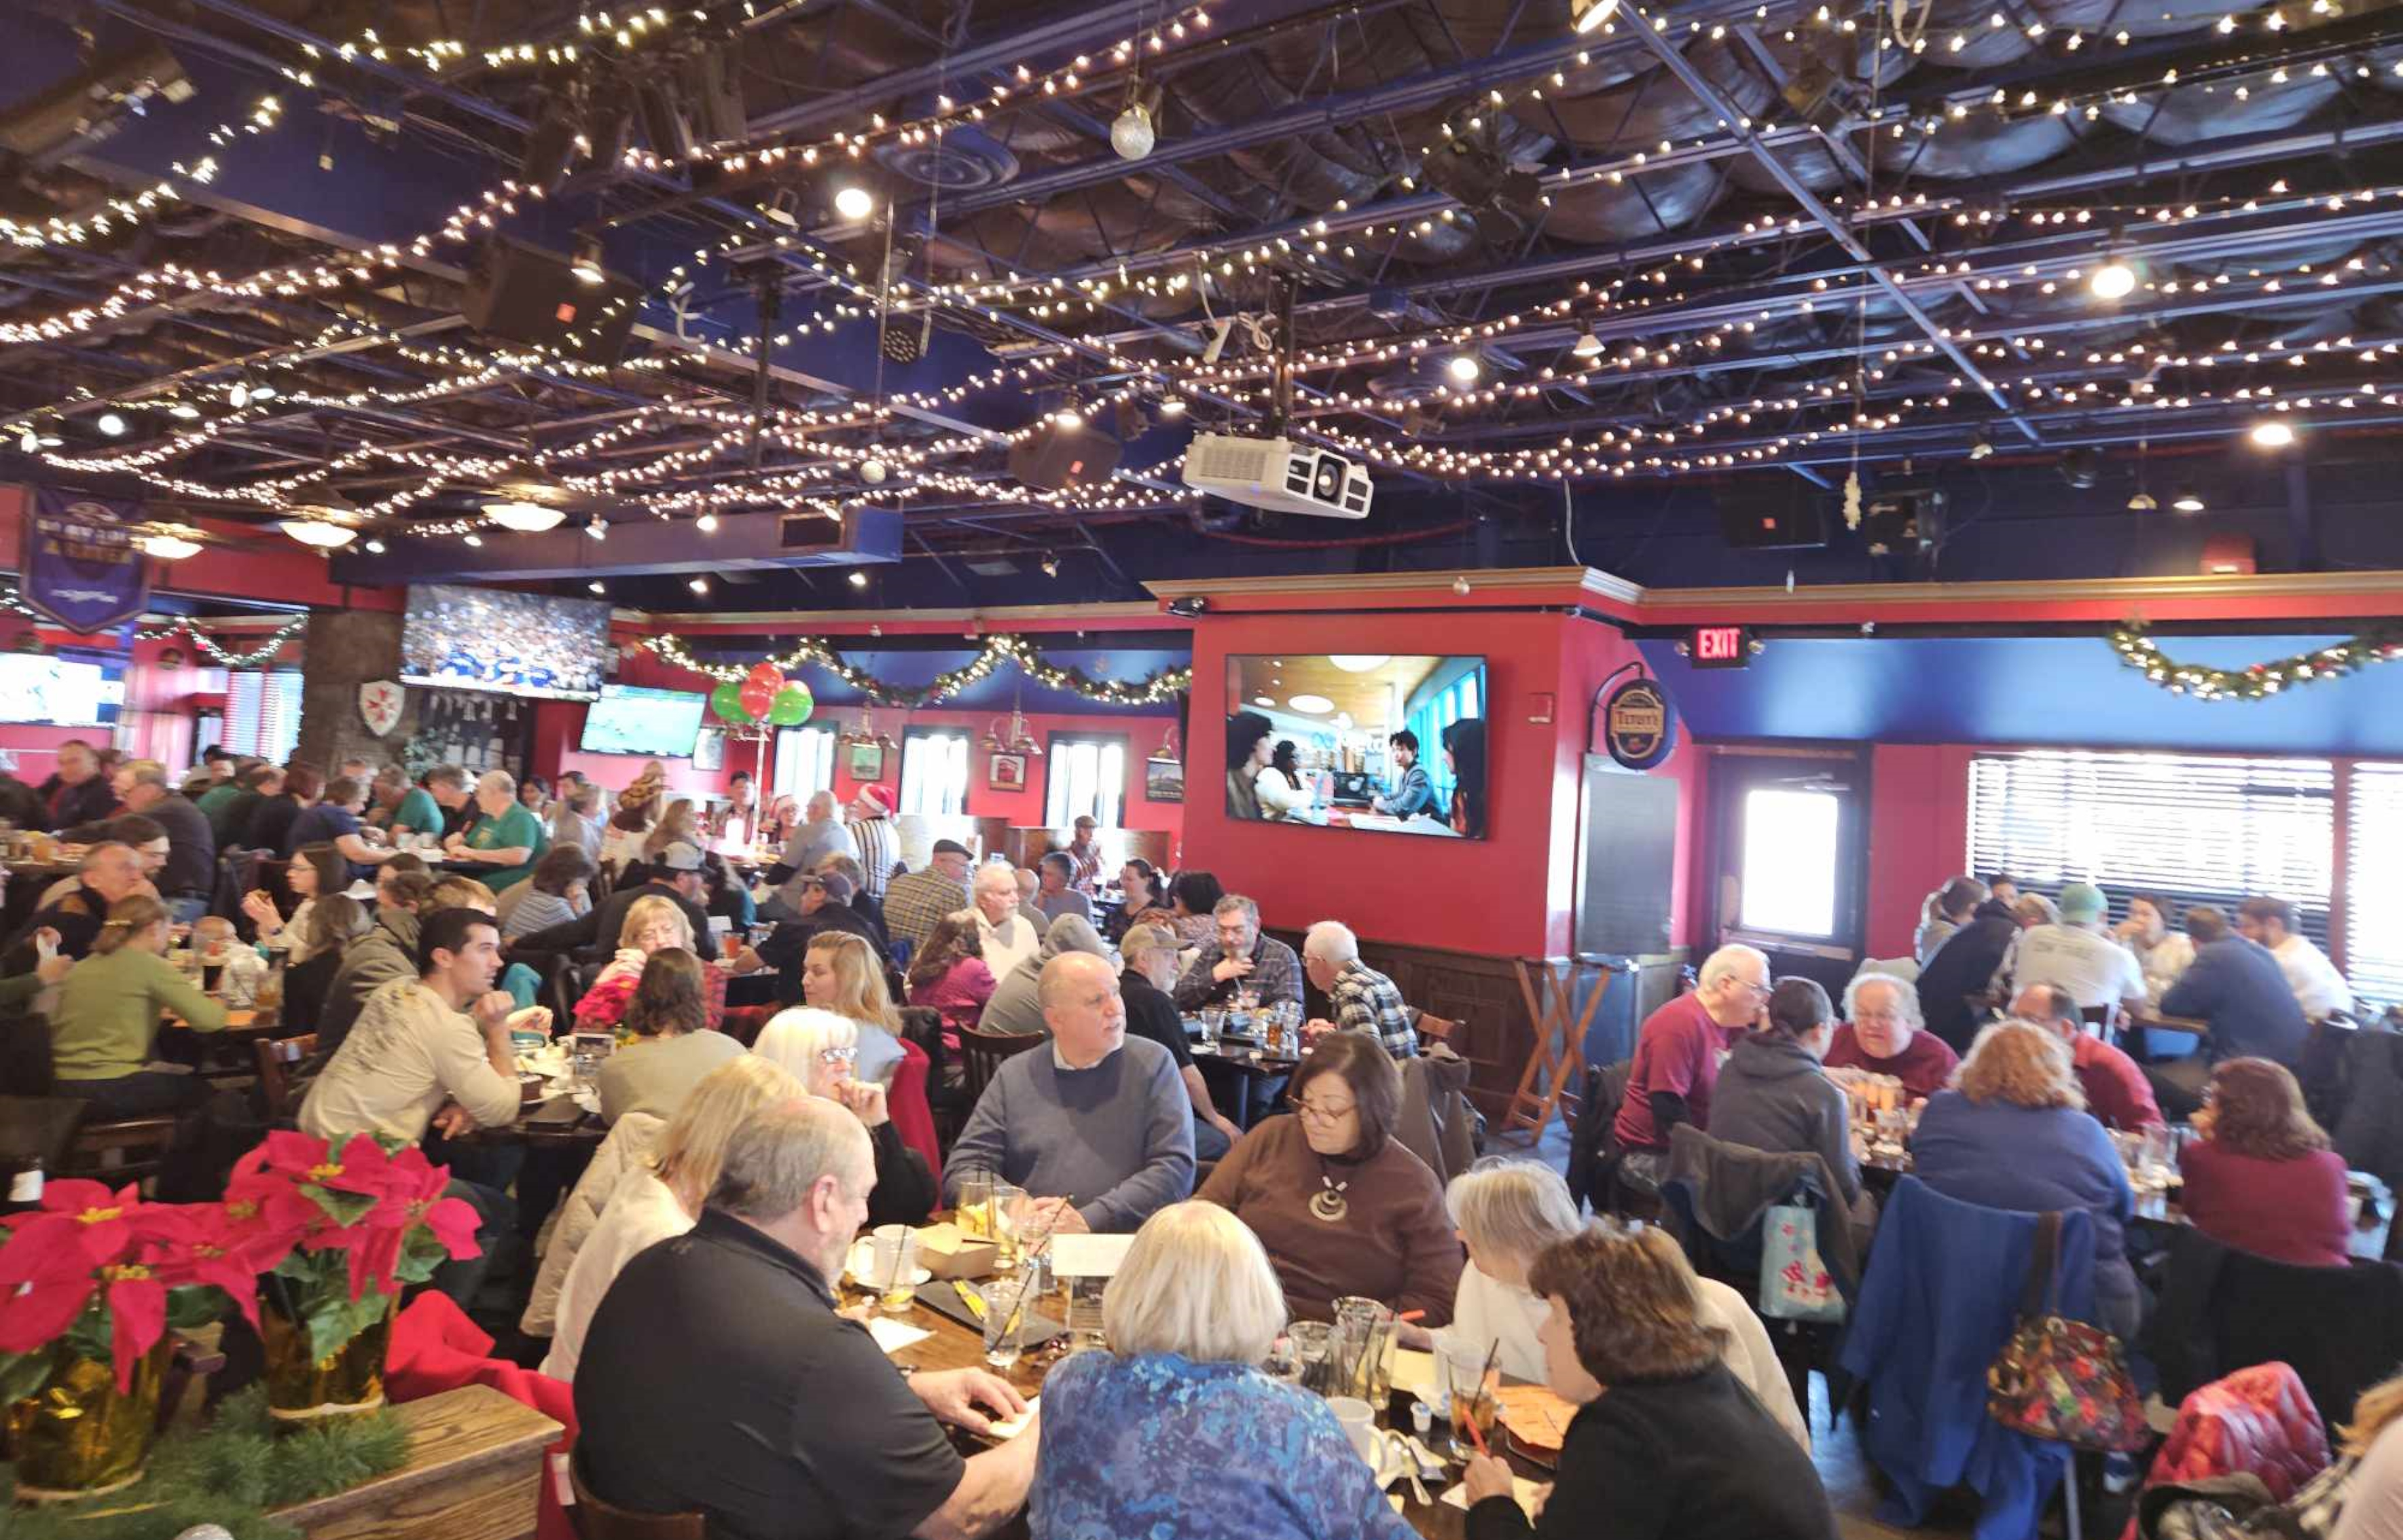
(2117, 1092)
(1677, 1055)
(1883, 1033)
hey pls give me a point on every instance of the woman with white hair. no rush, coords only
(662, 1198)
(1176, 1428)
(820, 1051)
(1506, 1212)
(507, 836)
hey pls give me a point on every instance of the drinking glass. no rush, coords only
(1362, 1327)
(975, 1212)
(1468, 1389)
(1084, 1313)
(729, 946)
(2156, 1155)
(1214, 1022)
(1008, 1223)
(1314, 1355)
(893, 1265)
(1005, 1321)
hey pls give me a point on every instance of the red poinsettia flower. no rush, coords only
(417, 1199)
(81, 1219)
(86, 1240)
(138, 1316)
(267, 1195)
(225, 1253)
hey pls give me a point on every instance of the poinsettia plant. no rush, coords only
(357, 1222)
(102, 1275)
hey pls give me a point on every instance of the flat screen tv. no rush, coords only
(1377, 742)
(59, 693)
(494, 638)
(628, 720)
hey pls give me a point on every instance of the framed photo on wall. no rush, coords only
(1163, 781)
(1005, 773)
(865, 761)
(709, 749)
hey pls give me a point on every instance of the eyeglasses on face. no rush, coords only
(1320, 1112)
(837, 1056)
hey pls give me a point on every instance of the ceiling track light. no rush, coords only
(857, 578)
(1586, 344)
(2188, 499)
(597, 586)
(1051, 565)
(2271, 434)
(597, 528)
(1980, 447)
(698, 585)
(586, 264)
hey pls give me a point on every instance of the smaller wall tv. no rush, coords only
(496, 639)
(59, 693)
(1379, 743)
(630, 720)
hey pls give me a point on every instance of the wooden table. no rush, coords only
(474, 1472)
(955, 1346)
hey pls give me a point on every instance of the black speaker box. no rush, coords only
(523, 294)
(1054, 458)
(1772, 524)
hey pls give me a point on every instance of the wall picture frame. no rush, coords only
(1005, 773)
(1163, 781)
(864, 761)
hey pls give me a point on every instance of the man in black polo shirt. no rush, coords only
(1149, 953)
(717, 1379)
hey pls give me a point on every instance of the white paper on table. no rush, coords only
(1415, 1372)
(892, 1336)
(1010, 1427)
(1522, 1492)
(1089, 1256)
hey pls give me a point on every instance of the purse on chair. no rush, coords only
(2061, 1380)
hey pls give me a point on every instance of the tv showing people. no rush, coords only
(1360, 741)
(492, 639)
(630, 720)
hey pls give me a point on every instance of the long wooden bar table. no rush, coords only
(954, 1346)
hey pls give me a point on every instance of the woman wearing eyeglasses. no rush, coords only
(820, 1051)
(1342, 1208)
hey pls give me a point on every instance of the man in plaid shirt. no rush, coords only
(1365, 1001)
(918, 901)
(1239, 958)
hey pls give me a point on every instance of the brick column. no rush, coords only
(341, 651)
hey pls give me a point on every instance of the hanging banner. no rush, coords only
(1639, 725)
(79, 565)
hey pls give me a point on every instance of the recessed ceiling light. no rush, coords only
(596, 585)
(1464, 368)
(112, 424)
(854, 204)
(1263, 700)
(2113, 280)
(1314, 704)
(475, 540)
(373, 547)
(698, 585)
(858, 578)
(706, 523)
(1360, 662)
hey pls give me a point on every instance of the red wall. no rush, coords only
(559, 727)
(1919, 835)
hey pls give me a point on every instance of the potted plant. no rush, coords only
(90, 1284)
(356, 1223)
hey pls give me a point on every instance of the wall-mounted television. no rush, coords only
(1380, 741)
(496, 639)
(628, 720)
(59, 693)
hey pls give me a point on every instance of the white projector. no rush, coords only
(1270, 473)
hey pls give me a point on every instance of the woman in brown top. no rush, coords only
(1342, 1208)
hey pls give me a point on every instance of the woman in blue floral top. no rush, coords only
(1175, 1433)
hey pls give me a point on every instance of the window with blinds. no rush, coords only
(2195, 828)
(1087, 779)
(263, 713)
(2373, 884)
(934, 771)
(804, 761)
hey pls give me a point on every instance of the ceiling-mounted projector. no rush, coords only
(1270, 473)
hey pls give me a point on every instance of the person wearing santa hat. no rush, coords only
(870, 817)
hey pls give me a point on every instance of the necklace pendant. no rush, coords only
(1329, 1205)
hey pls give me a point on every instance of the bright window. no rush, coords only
(804, 762)
(2196, 828)
(935, 771)
(1088, 778)
(2373, 889)
(263, 713)
(1790, 862)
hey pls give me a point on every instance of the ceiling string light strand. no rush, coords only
(992, 652)
(2259, 681)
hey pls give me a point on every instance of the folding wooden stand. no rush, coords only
(1561, 1066)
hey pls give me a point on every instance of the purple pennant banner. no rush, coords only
(80, 566)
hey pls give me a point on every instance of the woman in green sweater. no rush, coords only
(107, 1018)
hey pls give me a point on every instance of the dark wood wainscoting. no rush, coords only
(1482, 993)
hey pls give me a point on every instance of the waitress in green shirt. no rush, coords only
(507, 836)
(106, 1023)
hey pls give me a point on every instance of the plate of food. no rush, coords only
(1538, 1419)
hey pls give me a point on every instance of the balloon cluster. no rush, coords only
(763, 694)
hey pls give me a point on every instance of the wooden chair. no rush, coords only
(1435, 1027)
(275, 1056)
(131, 1149)
(595, 1520)
(982, 1054)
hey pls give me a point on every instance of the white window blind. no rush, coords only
(2373, 889)
(934, 772)
(263, 713)
(804, 761)
(2195, 828)
(1088, 777)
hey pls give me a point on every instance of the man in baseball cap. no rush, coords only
(2077, 957)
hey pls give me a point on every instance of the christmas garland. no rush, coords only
(994, 652)
(14, 604)
(227, 1474)
(2259, 681)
